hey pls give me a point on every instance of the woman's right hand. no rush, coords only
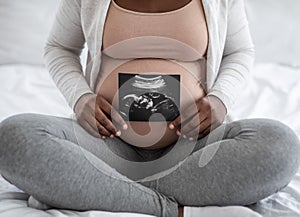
(95, 114)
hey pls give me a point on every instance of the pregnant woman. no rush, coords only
(160, 76)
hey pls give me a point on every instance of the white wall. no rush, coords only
(275, 27)
(24, 26)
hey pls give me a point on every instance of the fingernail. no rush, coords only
(191, 139)
(118, 133)
(103, 137)
(178, 133)
(125, 127)
(171, 126)
(184, 136)
(111, 136)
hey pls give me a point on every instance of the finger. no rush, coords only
(108, 109)
(205, 132)
(93, 121)
(194, 133)
(103, 131)
(191, 109)
(175, 124)
(193, 122)
(118, 118)
(186, 114)
(205, 128)
(90, 129)
(204, 124)
(104, 105)
(180, 121)
(105, 122)
(190, 126)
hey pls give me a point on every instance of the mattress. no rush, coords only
(273, 92)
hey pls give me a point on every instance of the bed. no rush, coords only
(273, 92)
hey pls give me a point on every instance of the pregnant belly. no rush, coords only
(149, 94)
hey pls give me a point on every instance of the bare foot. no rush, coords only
(180, 211)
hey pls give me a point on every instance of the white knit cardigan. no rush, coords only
(229, 59)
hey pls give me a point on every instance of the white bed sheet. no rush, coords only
(27, 88)
(274, 92)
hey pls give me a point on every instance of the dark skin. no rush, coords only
(152, 6)
(93, 111)
(211, 110)
(193, 124)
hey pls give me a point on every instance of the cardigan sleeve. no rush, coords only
(237, 59)
(62, 52)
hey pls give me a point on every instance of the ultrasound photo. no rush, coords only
(141, 96)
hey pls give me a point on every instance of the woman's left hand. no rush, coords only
(209, 115)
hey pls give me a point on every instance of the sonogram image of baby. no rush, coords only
(143, 95)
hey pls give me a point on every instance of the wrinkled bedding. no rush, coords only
(272, 93)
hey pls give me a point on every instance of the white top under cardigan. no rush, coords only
(229, 59)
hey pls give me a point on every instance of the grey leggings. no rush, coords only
(42, 155)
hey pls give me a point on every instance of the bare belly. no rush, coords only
(149, 94)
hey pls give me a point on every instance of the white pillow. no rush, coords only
(24, 26)
(275, 27)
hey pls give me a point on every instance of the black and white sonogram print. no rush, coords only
(143, 95)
